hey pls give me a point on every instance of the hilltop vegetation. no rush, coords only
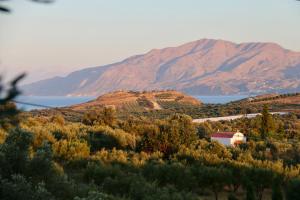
(154, 104)
(134, 101)
(276, 103)
(279, 102)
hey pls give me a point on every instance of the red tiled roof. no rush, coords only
(223, 134)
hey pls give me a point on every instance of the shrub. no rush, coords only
(18, 188)
(96, 195)
(71, 149)
(106, 137)
(292, 191)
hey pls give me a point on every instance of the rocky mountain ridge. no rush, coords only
(203, 67)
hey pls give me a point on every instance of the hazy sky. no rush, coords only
(55, 39)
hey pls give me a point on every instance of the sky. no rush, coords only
(46, 40)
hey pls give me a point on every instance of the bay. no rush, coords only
(48, 101)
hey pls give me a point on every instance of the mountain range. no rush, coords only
(203, 67)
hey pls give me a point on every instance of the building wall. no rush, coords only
(225, 141)
(238, 137)
(230, 141)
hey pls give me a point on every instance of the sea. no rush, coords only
(28, 103)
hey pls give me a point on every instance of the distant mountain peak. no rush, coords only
(201, 67)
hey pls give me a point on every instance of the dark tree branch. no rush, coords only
(3, 9)
(7, 10)
(12, 92)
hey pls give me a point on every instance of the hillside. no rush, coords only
(293, 99)
(138, 101)
(162, 104)
(278, 102)
(201, 67)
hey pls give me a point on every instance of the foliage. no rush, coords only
(8, 115)
(146, 158)
(18, 188)
(293, 191)
(106, 137)
(106, 116)
(71, 149)
(267, 124)
(95, 195)
(144, 102)
(170, 135)
(15, 152)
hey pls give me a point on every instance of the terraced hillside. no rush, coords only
(138, 101)
(293, 98)
(277, 102)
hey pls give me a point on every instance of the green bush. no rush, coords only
(71, 149)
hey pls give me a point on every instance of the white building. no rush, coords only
(229, 138)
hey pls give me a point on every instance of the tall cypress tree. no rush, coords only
(267, 123)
